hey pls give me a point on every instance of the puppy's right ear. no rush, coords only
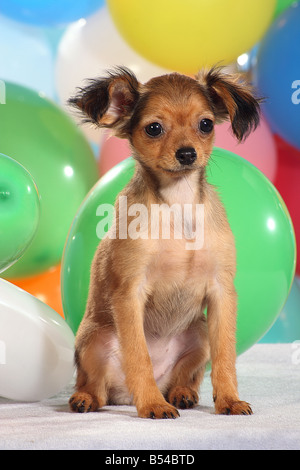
(109, 102)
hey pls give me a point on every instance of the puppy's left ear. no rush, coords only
(109, 101)
(229, 96)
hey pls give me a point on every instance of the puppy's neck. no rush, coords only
(188, 188)
(183, 189)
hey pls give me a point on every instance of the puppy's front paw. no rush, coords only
(183, 397)
(232, 407)
(158, 411)
(82, 402)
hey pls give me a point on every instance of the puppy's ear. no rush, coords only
(109, 101)
(229, 96)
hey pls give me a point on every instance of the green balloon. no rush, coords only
(40, 136)
(260, 222)
(282, 5)
(19, 211)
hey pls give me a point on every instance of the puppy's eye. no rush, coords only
(206, 125)
(154, 129)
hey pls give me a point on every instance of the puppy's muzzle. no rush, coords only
(186, 155)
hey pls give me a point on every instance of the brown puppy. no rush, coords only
(144, 338)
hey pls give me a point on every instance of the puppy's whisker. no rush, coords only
(189, 185)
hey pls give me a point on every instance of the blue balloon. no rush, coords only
(49, 12)
(277, 75)
(287, 326)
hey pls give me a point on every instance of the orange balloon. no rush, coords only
(45, 286)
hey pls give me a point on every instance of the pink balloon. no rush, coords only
(113, 150)
(259, 148)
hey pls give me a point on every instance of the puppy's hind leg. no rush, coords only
(188, 373)
(90, 390)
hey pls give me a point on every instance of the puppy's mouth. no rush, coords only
(178, 171)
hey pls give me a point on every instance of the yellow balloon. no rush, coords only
(185, 35)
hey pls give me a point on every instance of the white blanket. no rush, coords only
(269, 378)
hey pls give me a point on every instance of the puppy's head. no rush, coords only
(170, 120)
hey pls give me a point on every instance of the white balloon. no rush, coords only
(36, 347)
(90, 47)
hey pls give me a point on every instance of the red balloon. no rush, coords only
(259, 148)
(287, 181)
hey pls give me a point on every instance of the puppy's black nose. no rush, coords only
(186, 155)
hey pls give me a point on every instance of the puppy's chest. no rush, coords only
(172, 263)
(182, 262)
(182, 249)
(176, 283)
